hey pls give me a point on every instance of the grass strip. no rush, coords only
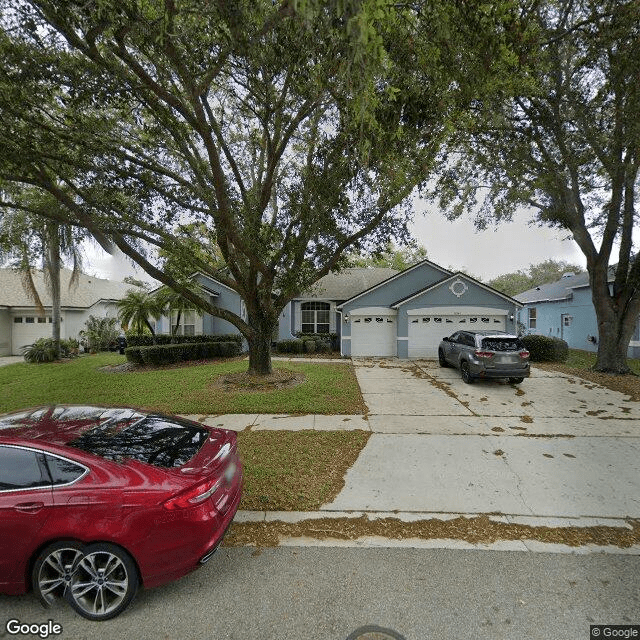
(295, 470)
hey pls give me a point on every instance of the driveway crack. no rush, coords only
(419, 372)
(518, 484)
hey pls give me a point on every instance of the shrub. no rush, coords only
(133, 355)
(290, 346)
(329, 339)
(309, 346)
(164, 338)
(99, 333)
(170, 353)
(42, 350)
(546, 348)
(69, 347)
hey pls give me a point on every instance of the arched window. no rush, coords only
(315, 317)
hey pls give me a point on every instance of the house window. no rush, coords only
(187, 326)
(42, 320)
(315, 317)
(567, 320)
(18, 319)
(533, 317)
(30, 320)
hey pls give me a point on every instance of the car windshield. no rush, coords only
(502, 344)
(153, 440)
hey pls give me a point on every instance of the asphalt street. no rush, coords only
(327, 593)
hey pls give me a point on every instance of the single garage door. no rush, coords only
(373, 335)
(426, 331)
(26, 329)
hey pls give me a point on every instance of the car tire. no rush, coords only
(104, 583)
(53, 569)
(466, 373)
(441, 359)
(516, 380)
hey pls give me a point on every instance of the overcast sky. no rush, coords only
(453, 245)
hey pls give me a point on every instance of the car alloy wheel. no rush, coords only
(104, 583)
(466, 374)
(54, 569)
(441, 359)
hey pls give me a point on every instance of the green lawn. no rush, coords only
(585, 360)
(328, 388)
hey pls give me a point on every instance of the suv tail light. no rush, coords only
(483, 354)
(194, 496)
(524, 354)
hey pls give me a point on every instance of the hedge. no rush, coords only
(546, 348)
(324, 341)
(164, 338)
(290, 346)
(170, 353)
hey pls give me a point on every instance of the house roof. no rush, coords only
(348, 283)
(453, 276)
(89, 290)
(558, 290)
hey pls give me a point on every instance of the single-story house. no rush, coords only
(21, 323)
(376, 311)
(564, 309)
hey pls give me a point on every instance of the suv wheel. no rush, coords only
(466, 373)
(441, 359)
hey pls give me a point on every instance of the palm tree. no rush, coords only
(28, 240)
(137, 307)
(174, 302)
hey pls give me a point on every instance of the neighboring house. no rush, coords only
(564, 309)
(378, 311)
(21, 323)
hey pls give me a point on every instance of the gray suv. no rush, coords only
(487, 354)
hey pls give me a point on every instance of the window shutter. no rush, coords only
(332, 317)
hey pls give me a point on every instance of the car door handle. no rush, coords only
(29, 507)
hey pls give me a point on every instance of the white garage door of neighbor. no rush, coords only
(26, 330)
(373, 335)
(426, 332)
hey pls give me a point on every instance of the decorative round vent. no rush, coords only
(458, 287)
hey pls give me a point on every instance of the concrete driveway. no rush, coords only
(554, 446)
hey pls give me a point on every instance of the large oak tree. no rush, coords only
(567, 144)
(291, 131)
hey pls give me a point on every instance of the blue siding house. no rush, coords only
(376, 311)
(563, 309)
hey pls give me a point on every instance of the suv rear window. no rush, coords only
(154, 440)
(503, 344)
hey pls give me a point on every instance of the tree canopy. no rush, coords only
(284, 132)
(536, 274)
(567, 144)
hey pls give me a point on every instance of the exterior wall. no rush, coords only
(5, 332)
(441, 296)
(583, 324)
(385, 295)
(286, 322)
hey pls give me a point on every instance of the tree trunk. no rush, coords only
(260, 343)
(54, 282)
(615, 328)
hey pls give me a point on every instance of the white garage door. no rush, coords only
(373, 335)
(26, 330)
(426, 331)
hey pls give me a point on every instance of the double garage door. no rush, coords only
(426, 331)
(376, 334)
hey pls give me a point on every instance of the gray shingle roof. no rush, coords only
(559, 290)
(349, 282)
(87, 293)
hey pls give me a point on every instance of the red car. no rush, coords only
(95, 502)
